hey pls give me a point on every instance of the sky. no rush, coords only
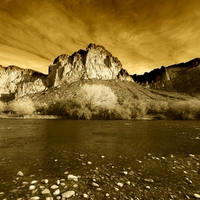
(142, 34)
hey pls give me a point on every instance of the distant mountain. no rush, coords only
(183, 77)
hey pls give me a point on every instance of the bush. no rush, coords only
(21, 107)
(186, 110)
(98, 95)
(2, 107)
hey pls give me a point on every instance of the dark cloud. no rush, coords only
(143, 34)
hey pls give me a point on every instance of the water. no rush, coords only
(152, 159)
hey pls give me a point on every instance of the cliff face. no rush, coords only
(183, 77)
(18, 81)
(93, 63)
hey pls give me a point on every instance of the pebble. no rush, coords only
(2, 193)
(45, 181)
(32, 187)
(149, 180)
(33, 182)
(128, 182)
(68, 194)
(131, 173)
(120, 184)
(20, 173)
(147, 187)
(72, 177)
(46, 191)
(125, 172)
(62, 184)
(75, 185)
(89, 163)
(197, 196)
(116, 189)
(54, 187)
(107, 195)
(49, 198)
(95, 184)
(56, 192)
(35, 198)
(86, 196)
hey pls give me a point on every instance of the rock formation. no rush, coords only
(93, 63)
(183, 77)
(18, 81)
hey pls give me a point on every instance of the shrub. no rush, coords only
(21, 106)
(2, 107)
(98, 95)
(186, 109)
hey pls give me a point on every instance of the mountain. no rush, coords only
(93, 63)
(182, 77)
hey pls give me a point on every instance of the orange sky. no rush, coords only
(143, 34)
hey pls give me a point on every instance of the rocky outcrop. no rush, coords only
(93, 63)
(182, 77)
(18, 81)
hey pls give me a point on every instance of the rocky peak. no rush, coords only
(93, 63)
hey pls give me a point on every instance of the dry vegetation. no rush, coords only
(105, 101)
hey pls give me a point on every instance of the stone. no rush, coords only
(116, 189)
(45, 181)
(68, 194)
(56, 192)
(197, 196)
(120, 184)
(89, 163)
(95, 184)
(33, 182)
(54, 187)
(72, 177)
(45, 191)
(49, 198)
(85, 196)
(149, 180)
(125, 172)
(20, 173)
(35, 198)
(32, 187)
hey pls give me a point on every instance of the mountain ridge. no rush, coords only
(181, 77)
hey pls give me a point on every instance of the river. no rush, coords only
(111, 159)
